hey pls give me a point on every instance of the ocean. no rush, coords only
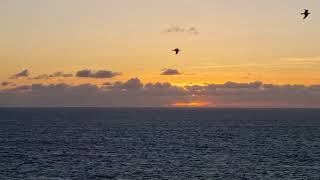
(159, 143)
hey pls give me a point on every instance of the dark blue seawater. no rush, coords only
(93, 143)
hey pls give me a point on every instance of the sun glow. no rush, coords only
(191, 104)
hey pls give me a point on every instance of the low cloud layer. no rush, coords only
(24, 73)
(134, 93)
(170, 72)
(86, 73)
(179, 29)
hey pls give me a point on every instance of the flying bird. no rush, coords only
(306, 13)
(176, 50)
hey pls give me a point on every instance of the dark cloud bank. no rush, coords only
(133, 93)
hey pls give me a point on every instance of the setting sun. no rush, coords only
(191, 104)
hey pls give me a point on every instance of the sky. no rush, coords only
(102, 45)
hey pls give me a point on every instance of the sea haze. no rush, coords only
(101, 143)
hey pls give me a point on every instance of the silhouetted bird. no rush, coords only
(306, 13)
(176, 50)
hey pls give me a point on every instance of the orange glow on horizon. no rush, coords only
(191, 104)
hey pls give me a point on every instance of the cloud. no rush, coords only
(302, 60)
(130, 85)
(134, 93)
(86, 73)
(107, 84)
(254, 85)
(24, 73)
(170, 72)
(54, 75)
(7, 83)
(178, 29)
(257, 94)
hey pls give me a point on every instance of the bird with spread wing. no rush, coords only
(177, 50)
(306, 13)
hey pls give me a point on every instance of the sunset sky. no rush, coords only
(221, 41)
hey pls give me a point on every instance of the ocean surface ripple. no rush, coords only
(106, 143)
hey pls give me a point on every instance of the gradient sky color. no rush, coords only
(241, 41)
(267, 39)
